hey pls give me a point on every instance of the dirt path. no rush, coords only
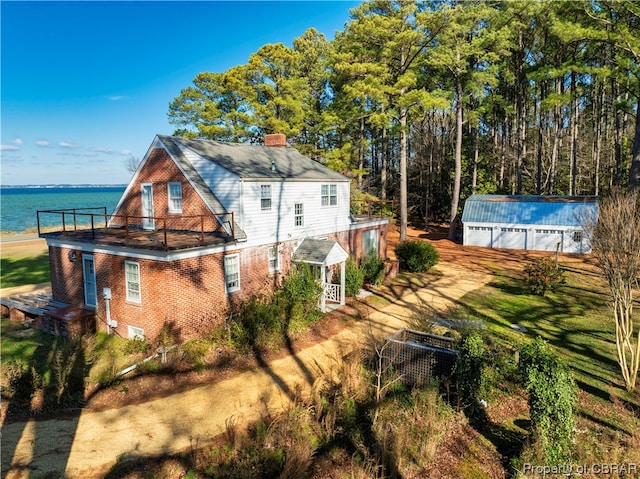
(87, 444)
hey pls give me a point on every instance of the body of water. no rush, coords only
(18, 206)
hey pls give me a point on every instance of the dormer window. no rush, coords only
(265, 197)
(329, 195)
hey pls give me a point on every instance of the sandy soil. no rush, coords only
(88, 443)
(22, 245)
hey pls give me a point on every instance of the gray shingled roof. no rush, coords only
(316, 251)
(199, 184)
(254, 162)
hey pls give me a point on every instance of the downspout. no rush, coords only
(106, 294)
(241, 222)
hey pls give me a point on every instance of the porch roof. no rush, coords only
(322, 252)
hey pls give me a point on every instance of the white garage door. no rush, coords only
(547, 240)
(479, 236)
(513, 238)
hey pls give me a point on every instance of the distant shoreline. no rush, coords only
(83, 185)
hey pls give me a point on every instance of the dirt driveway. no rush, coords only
(87, 444)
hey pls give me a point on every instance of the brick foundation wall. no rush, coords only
(189, 294)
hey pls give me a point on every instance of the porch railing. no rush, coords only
(79, 219)
(332, 292)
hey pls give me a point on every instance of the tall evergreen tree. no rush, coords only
(381, 49)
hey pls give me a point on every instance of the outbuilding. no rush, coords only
(542, 223)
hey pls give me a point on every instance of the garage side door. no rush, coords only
(479, 236)
(513, 238)
(547, 240)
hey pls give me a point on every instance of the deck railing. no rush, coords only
(101, 223)
(373, 208)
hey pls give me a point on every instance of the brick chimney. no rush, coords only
(276, 140)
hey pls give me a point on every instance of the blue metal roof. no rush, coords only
(529, 209)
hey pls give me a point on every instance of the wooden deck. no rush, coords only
(156, 240)
(35, 303)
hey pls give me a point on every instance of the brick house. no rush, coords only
(204, 224)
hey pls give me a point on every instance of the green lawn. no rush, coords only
(577, 322)
(19, 270)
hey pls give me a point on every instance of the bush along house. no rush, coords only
(203, 225)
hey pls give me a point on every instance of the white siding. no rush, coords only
(575, 241)
(278, 223)
(224, 184)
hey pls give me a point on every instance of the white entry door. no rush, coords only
(148, 222)
(89, 279)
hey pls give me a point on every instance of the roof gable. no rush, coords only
(529, 209)
(323, 252)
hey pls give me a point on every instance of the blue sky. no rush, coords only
(87, 84)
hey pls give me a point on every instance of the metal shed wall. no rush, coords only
(543, 223)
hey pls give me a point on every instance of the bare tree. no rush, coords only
(131, 163)
(615, 241)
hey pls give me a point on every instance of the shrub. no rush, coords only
(542, 275)
(70, 367)
(255, 323)
(136, 345)
(416, 256)
(301, 292)
(373, 267)
(469, 371)
(552, 395)
(195, 351)
(353, 278)
(18, 380)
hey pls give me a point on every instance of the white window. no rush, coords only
(89, 277)
(329, 195)
(132, 277)
(136, 333)
(265, 197)
(175, 197)
(232, 272)
(274, 262)
(299, 214)
(370, 242)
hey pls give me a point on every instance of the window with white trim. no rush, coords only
(132, 278)
(136, 333)
(265, 197)
(274, 259)
(175, 197)
(329, 195)
(370, 242)
(232, 272)
(299, 214)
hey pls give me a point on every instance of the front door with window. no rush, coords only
(89, 278)
(147, 207)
